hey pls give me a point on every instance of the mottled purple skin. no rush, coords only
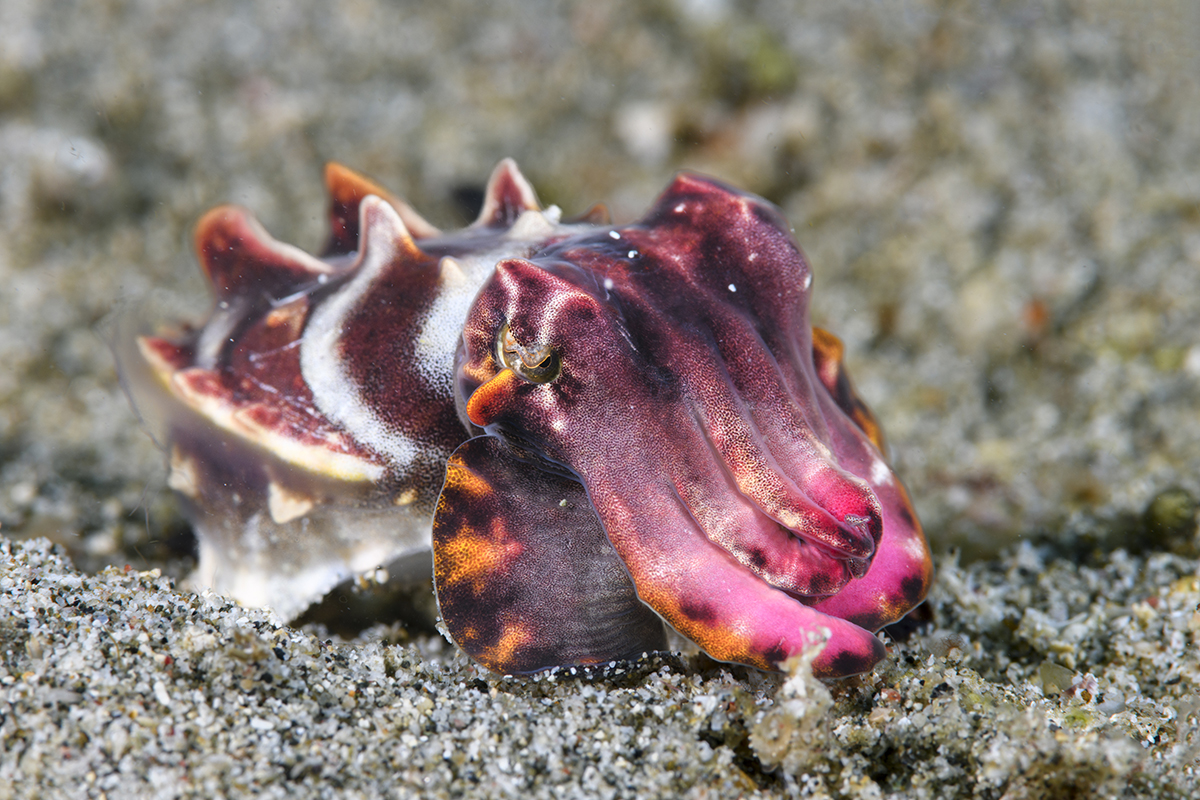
(752, 512)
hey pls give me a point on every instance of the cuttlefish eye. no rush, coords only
(534, 364)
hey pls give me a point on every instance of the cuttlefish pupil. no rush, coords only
(538, 364)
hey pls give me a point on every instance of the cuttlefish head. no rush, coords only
(665, 378)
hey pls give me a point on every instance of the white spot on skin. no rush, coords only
(183, 477)
(679, 208)
(614, 235)
(733, 287)
(915, 548)
(286, 505)
(752, 257)
(633, 253)
(608, 284)
(880, 474)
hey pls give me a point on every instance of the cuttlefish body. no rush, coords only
(598, 428)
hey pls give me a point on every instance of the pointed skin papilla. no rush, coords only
(525, 578)
(737, 491)
(285, 502)
(241, 372)
(507, 196)
(244, 264)
(347, 189)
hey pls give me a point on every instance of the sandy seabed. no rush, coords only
(1001, 203)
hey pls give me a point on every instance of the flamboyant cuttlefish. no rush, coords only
(599, 428)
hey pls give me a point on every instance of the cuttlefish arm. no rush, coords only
(525, 576)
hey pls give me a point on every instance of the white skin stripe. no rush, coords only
(334, 393)
(441, 326)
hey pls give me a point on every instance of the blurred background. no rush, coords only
(1000, 200)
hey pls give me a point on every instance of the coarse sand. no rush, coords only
(1001, 204)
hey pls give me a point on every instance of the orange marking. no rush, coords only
(498, 657)
(348, 187)
(828, 354)
(474, 558)
(865, 420)
(722, 641)
(489, 400)
(461, 480)
(829, 351)
(290, 315)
